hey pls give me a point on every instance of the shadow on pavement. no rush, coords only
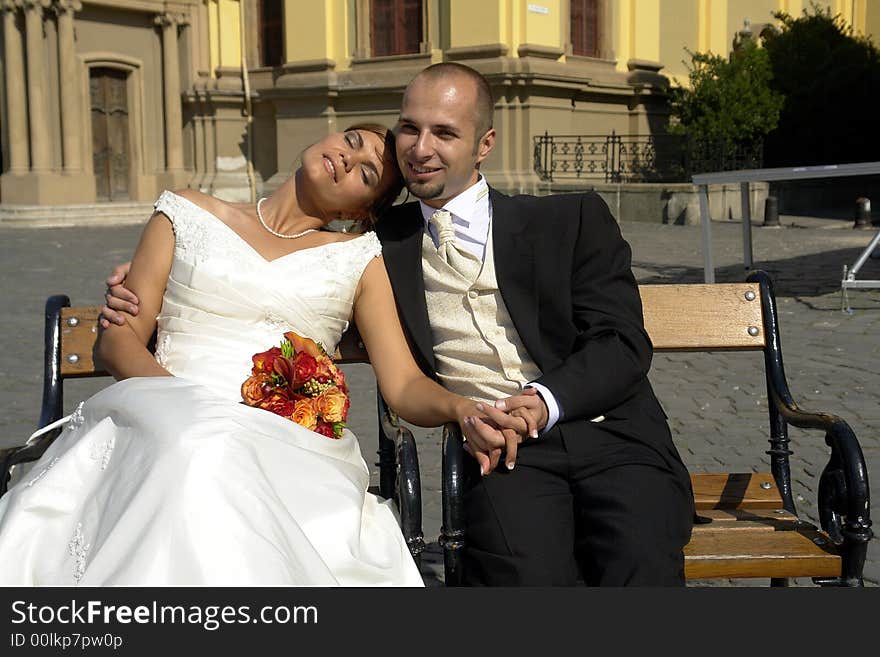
(814, 274)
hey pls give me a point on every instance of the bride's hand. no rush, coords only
(118, 297)
(488, 431)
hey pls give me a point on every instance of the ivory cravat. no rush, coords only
(459, 259)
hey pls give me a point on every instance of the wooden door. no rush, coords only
(110, 142)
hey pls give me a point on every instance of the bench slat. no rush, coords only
(718, 316)
(79, 331)
(756, 552)
(78, 341)
(735, 490)
(771, 520)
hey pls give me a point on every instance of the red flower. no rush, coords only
(339, 380)
(280, 405)
(325, 370)
(263, 361)
(304, 368)
(283, 367)
(325, 429)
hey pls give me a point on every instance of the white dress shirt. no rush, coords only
(472, 219)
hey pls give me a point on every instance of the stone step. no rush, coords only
(90, 214)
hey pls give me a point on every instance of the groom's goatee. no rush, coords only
(424, 190)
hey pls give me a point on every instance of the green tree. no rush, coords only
(729, 100)
(727, 106)
(829, 77)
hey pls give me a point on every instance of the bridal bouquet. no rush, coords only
(299, 381)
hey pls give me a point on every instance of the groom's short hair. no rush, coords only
(485, 106)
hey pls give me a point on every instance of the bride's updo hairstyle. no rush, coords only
(387, 198)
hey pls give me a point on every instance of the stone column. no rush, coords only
(70, 105)
(41, 155)
(16, 109)
(171, 72)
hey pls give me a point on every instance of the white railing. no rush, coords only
(744, 177)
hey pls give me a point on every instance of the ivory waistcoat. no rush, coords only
(477, 350)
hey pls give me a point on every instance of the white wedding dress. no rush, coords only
(171, 481)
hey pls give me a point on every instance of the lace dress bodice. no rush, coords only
(224, 301)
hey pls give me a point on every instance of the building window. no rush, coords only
(271, 33)
(395, 27)
(585, 27)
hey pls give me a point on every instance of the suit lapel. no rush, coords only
(403, 260)
(514, 255)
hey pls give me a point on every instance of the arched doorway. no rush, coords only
(111, 150)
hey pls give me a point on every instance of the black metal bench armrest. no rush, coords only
(19, 454)
(53, 398)
(52, 393)
(452, 537)
(844, 494)
(399, 476)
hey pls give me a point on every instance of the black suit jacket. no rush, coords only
(564, 273)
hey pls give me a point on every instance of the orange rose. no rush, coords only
(303, 344)
(256, 388)
(304, 414)
(332, 405)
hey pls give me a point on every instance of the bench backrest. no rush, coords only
(79, 333)
(704, 317)
(691, 317)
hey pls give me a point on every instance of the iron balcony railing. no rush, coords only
(638, 158)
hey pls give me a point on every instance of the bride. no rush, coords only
(165, 478)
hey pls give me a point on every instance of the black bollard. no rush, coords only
(771, 212)
(863, 213)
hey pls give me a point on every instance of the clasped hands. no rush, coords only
(493, 430)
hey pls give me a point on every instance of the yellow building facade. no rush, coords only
(222, 95)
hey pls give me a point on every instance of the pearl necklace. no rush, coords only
(292, 236)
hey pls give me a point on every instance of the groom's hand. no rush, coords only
(528, 405)
(489, 432)
(526, 415)
(118, 297)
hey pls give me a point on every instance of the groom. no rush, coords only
(496, 292)
(534, 298)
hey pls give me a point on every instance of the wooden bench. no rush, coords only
(70, 337)
(746, 524)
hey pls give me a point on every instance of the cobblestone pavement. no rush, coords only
(717, 403)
